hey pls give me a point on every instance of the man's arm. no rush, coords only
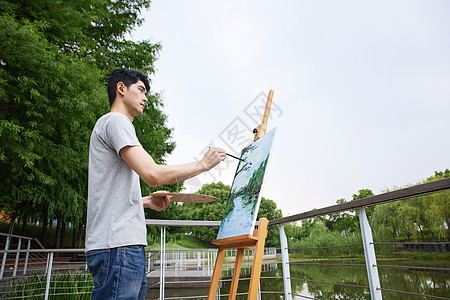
(154, 175)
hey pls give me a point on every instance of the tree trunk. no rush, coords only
(24, 225)
(58, 233)
(11, 223)
(448, 228)
(63, 233)
(44, 226)
(74, 235)
(80, 234)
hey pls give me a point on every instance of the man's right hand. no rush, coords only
(213, 157)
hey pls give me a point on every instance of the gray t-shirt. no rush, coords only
(115, 215)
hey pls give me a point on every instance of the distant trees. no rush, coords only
(212, 211)
(419, 218)
(55, 57)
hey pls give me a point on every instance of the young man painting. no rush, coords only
(116, 233)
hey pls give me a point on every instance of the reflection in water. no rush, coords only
(425, 282)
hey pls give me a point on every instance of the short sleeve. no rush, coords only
(119, 132)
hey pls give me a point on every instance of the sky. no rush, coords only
(361, 90)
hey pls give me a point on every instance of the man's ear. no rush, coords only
(121, 87)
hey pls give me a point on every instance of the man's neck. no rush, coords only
(119, 109)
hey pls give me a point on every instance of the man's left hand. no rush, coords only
(156, 203)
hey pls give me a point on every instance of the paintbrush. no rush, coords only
(238, 158)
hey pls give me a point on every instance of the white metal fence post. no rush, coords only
(285, 262)
(162, 263)
(26, 258)
(47, 262)
(8, 242)
(49, 275)
(369, 253)
(16, 263)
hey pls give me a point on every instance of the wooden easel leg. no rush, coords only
(236, 272)
(216, 274)
(257, 260)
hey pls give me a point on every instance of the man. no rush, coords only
(116, 233)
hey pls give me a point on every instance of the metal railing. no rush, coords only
(366, 232)
(57, 274)
(367, 240)
(10, 238)
(45, 278)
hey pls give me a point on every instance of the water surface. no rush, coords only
(425, 282)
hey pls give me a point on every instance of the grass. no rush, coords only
(63, 285)
(181, 242)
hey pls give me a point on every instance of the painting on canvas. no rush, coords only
(245, 196)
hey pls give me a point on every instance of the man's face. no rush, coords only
(135, 98)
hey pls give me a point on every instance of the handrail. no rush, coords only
(182, 223)
(414, 191)
(185, 250)
(16, 236)
(23, 237)
(411, 243)
(39, 243)
(79, 250)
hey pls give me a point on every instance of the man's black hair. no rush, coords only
(128, 77)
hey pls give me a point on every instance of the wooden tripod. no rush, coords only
(244, 242)
(241, 243)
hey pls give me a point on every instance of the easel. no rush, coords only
(244, 242)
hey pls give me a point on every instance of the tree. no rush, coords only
(438, 208)
(383, 221)
(347, 222)
(212, 211)
(54, 60)
(364, 193)
(424, 217)
(268, 209)
(44, 120)
(343, 222)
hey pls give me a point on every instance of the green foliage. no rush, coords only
(305, 228)
(345, 222)
(321, 236)
(208, 211)
(48, 100)
(55, 57)
(268, 209)
(419, 218)
(180, 241)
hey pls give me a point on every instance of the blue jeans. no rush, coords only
(118, 273)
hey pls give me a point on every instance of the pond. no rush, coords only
(353, 278)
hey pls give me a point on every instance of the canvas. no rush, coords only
(245, 196)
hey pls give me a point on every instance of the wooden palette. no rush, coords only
(184, 197)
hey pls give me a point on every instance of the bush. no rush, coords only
(329, 239)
